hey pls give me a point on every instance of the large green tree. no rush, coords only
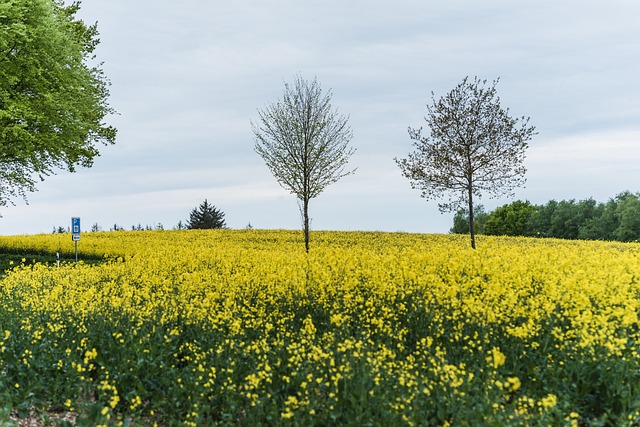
(53, 94)
(602, 224)
(628, 216)
(473, 147)
(304, 142)
(510, 220)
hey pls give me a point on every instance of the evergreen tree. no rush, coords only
(206, 216)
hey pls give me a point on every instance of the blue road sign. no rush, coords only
(75, 228)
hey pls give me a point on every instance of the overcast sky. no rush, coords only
(188, 76)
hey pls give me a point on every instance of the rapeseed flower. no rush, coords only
(391, 324)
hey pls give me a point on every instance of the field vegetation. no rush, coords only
(242, 327)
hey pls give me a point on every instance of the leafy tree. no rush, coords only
(540, 220)
(628, 215)
(584, 212)
(473, 146)
(304, 142)
(570, 216)
(601, 224)
(510, 219)
(206, 216)
(461, 220)
(52, 100)
(561, 220)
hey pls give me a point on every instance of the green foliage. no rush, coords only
(206, 216)
(540, 220)
(52, 100)
(510, 220)
(617, 219)
(568, 217)
(602, 224)
(461, 220)
(627, 214)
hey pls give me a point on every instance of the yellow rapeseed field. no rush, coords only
(242, 327)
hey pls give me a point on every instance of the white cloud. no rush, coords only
(597, 165)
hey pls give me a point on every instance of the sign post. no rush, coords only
(75, 232)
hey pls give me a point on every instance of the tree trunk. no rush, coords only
(472, 230)
(305, 214)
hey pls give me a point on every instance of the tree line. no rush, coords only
(617, 219)
(204, 216)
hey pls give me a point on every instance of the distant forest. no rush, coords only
(618, 219)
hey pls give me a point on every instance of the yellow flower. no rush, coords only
(513, 383)
(114, 401)
(496, 358)
(287, 414)
(549, 401)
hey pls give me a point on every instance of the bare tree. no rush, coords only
(474, 146)
(304, 142)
